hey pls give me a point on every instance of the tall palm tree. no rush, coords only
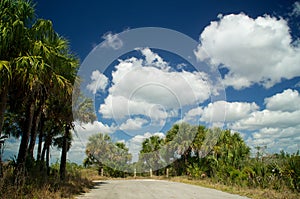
(15, 16)
(37, 76)
(65, 67)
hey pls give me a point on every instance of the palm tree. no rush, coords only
(66, 77)
(183, 144)
(150, 153)
(38, 75)
(15, 18)
(99, 148)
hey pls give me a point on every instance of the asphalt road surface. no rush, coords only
(152, 189)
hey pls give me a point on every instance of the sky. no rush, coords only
(233, 64)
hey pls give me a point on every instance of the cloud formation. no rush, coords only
(255, 51)
(276, 126)
(288, 100)
(150, 88)
(133, 124)
(99, 82)
(112, 41)
(233, 111)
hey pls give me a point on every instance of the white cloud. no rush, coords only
(234, 111)
(112, 41)
(288, 100)
(99, 82)
(149, 88)
(118, 107)
(267, 118)
(193, 115)
(87, 129)
(277, 126)
(277, 139)
(153, 59)
(133, 124)
(253, 50)
(282, 111)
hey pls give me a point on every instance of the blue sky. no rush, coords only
(254, 44)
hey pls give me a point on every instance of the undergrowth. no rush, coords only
(39, 184)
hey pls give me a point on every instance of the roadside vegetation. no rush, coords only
(47, 186)
(227, 164)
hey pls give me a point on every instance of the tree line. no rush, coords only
(216, 154)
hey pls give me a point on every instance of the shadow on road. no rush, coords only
(97, 184)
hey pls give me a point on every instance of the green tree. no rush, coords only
(14, 17)
(114, 157)
(150, 153)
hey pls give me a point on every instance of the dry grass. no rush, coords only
(39, 187)
(251, 193)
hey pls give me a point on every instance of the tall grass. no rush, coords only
(38, 184)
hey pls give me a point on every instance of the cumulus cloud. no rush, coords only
(268, 118)
(282, 111)
(85, 130)
(99, 82)
(276, 126)
(148, 87)
(153, 59)
(288, 100)
(253, 50)
(234, 111)
(193, 115)
(133, 124)
(276, 139)
(112, 41)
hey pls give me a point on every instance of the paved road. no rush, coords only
(152, 189)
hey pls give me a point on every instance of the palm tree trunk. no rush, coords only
(48, 160)
(41, 135)
(34, 129)
(63, 160)
(25, 138)
(44, 151)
